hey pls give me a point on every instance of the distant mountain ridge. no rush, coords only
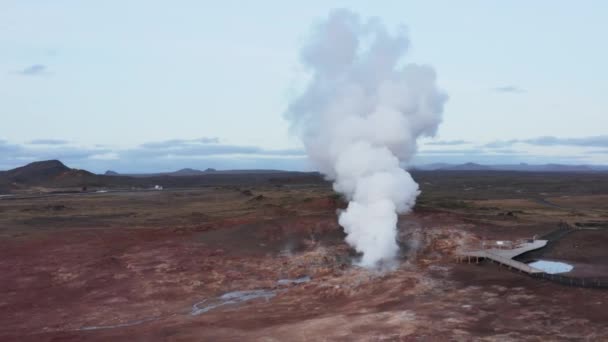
(181, 172)
(194, 172)
(190, 172)
(467, 167)
(49, 169)
(53, 175)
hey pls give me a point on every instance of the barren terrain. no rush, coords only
(267, 261)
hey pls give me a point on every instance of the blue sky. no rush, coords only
(158, 85)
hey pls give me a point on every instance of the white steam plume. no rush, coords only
(359, 119)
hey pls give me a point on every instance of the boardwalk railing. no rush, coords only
(505, 257)
(597, 283)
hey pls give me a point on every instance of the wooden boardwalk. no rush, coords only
(505, 256)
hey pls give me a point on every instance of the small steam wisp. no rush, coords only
(359, 118)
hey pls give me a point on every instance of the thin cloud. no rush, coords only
(509, 89)
(48, 142)
(472, 151)
(34, 70)
(447, 142)
(501, 143)
(60, 152)
(507, 151)
(592, 141)
(7, 148)
(209, 152)
(285, 152)
(204, 147)
(450, 151)
(177, 143)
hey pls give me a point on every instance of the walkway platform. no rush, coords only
(505, 256)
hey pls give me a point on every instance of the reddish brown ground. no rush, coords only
(131, 266)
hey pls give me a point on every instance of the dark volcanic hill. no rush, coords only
(52, 173)
(186, 172)
(467, 167)
(42, 172)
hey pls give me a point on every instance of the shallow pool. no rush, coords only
(304, 279)
(551, 267)
(235, 297)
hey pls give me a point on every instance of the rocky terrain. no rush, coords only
(267, 261)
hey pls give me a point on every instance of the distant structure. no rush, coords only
(503, 252)
(158, 187)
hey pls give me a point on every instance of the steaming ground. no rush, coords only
(359, 119)
(164, 265)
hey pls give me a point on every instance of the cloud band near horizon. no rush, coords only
(169, 155)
